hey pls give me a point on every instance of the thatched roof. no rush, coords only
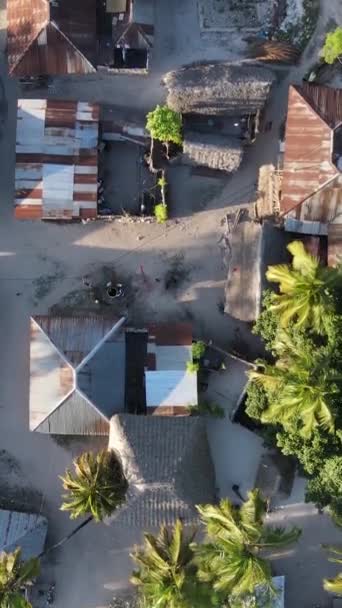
(167, 463)
(214, 151)
(218, 88)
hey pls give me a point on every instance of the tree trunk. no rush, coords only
(167, 146)
(66, 538)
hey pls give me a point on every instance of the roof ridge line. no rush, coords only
(86, 398)
(301, 92)
(97, 346)
(331, 179)
(15, 65)
(54, 24)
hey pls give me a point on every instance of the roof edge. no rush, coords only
(54, 24)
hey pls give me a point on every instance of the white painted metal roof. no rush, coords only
(171, 388)
(172, 357)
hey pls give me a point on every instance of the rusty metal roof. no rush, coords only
(51, 37)
(56, 159)
(308, 166)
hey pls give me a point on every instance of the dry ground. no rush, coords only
(42, 263)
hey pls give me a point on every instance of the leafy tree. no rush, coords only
(309, 452)
(97, 487)
(232, 559)
(334, 585)
(325, 489)
(198, 349)
(306, 290)
(161, 213)
(167, 574)
(267, 323)
(301, 385)
(15, 575)
(165, 124)
(332, 48)
(256, 401)
(192, 367)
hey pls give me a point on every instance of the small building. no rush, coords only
(219, 89)
(213, 151)
(51, 38)
(85, 369)
(311, 189)
(24, 530)
(168, 466)
(56, 159)
(243, 285)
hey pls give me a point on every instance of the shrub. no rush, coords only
(161, 213)
(332, 48)
(165, 125)
(205, 408)
(198, 349)
(192, 367)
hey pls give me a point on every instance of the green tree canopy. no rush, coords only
(332, 48)
(232, 558)
(167, 574)
(165, 124)
(326, 487)
(306, 290)
(15, 575)
(97, 486)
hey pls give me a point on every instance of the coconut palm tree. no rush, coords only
(15, 576)
(334, 585)
(300, 386)
(306, 290)
(166, 577)
(97, 487)
(232, 559)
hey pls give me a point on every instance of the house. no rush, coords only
(218, 89)
(25, 530)
(213, 151)
(85, 369)
(60, 37)
(168, 466)
(51, 38)
(129, 37)
(311, 190)
(244, 278)
(56, 159)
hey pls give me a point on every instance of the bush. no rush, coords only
(205, 408)
(256, 401)
(165, 125)
(161, 213)
(192, 367)
(332, 48)
(198, 349)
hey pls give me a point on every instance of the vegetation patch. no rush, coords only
(298, 27)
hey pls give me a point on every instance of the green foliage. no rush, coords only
(267, 323)
(326, 487)
(161, 213)
(334, 585)
(306, 290)
(302, 385)
(162, 183)
(206, 408)
(257, 401)
(312, 452)
(231, 559)
(15, 575)
(198, 349)
(167, 572)
(97, 486)
(332, 48)
(165, 124)
(192, 367)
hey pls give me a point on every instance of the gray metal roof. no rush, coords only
(25, 530)
(168, 465)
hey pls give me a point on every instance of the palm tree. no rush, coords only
(334, 585)
(231, 559)
(15, 576)
(97, 487)
(166, 577)
(306, 290)
(300, 386)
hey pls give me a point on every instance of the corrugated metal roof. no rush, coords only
(334, 244)
(171, 334)
(309, 171)
(172, 357)
(51, 38)
(171, 388)
(25, 530)
(56, 159)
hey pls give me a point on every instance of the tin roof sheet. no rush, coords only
(56, 159)
(171, 388)
(51, 38)
(25, 530)
(309, 175)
